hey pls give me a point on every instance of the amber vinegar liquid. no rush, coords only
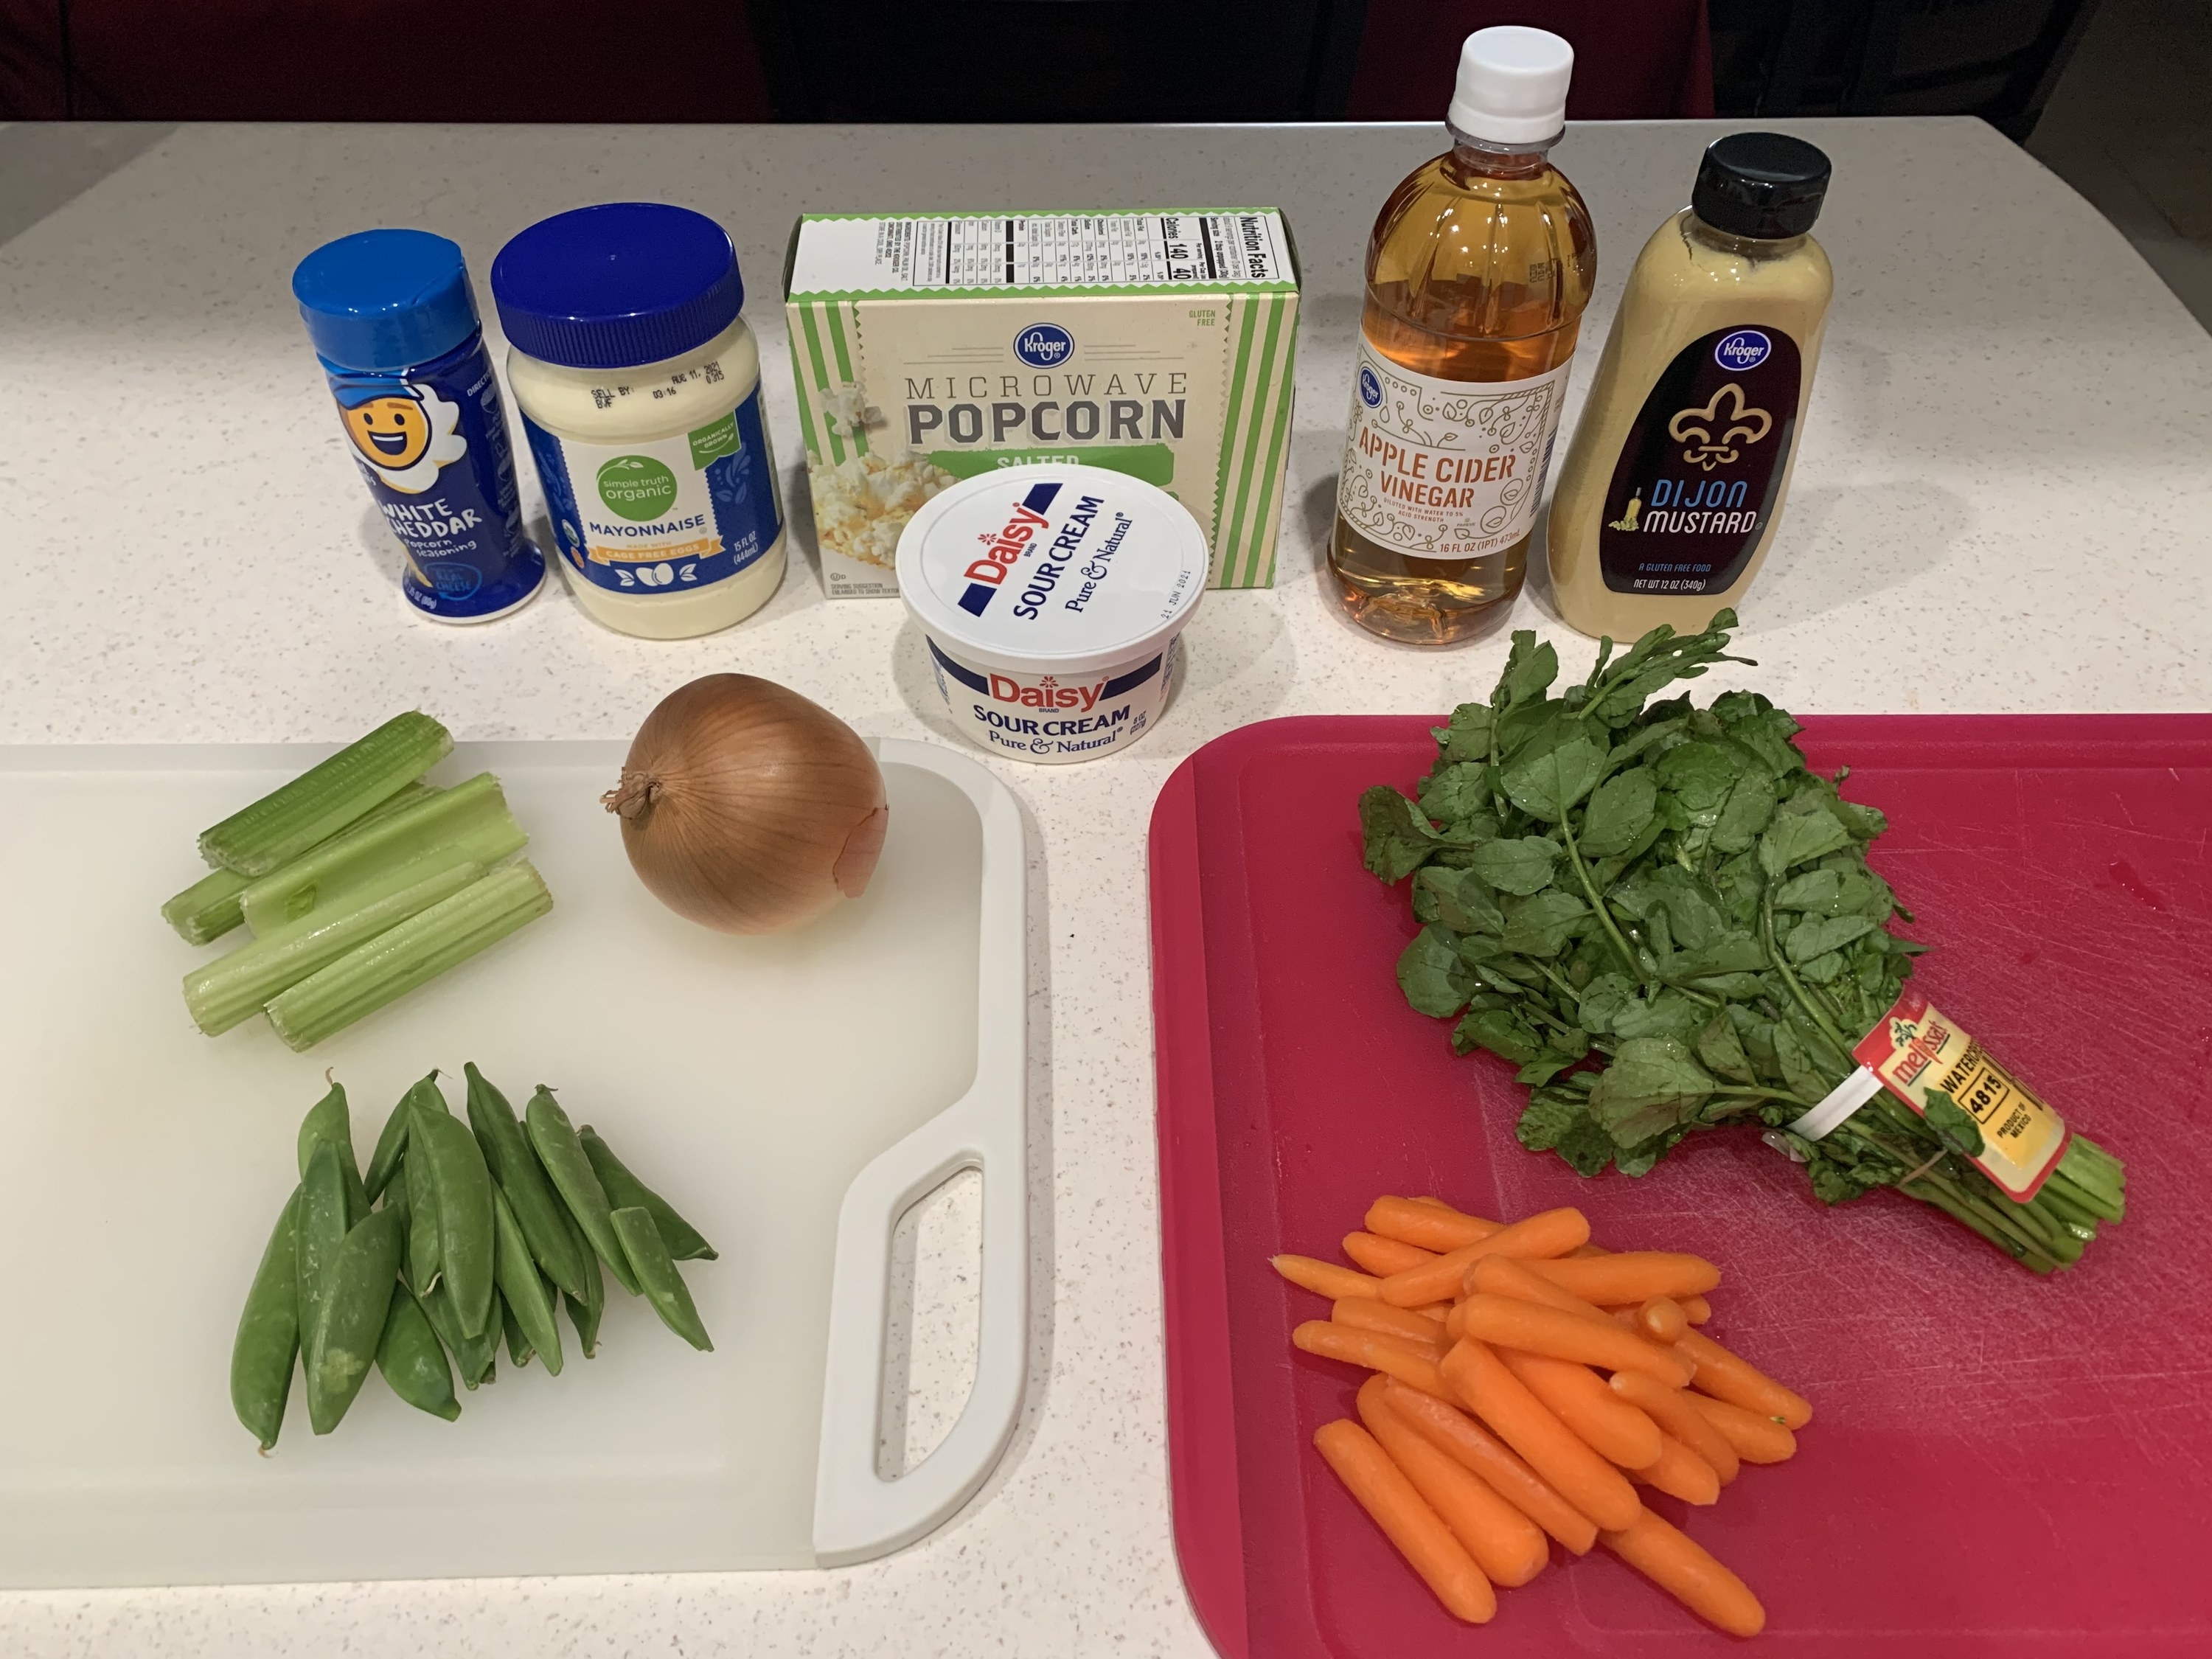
(1479, 266)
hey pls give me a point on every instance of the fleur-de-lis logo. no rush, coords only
(1695, 428)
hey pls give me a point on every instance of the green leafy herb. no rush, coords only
(1666, 923)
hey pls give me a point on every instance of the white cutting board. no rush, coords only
(791, 1096)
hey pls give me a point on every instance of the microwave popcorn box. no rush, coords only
(929, 348)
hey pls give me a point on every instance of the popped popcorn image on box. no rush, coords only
(928, 349)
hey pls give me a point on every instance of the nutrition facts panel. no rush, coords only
(1122, 249)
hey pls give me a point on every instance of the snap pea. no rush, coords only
(391, 1146)
(412, 1361)
(657, 1271)
(421, 1202)
(515, 1168)
(327, 1120)
(519, 1350)
(583, 1315)
(472, 1355)
(322, 1229)
(563, 1155)
(462, 1189)
(268, 1340)
(356, 1299)
(522, 1289)
(622, 1189)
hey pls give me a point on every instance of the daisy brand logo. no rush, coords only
(1046, 693)
(1004, 547)
(1044, 345)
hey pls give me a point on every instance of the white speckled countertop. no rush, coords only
(2005, 502)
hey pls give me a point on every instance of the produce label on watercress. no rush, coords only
(1924, 1059)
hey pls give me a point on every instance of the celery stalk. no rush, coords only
(210, 907)
(415, 952)
(324, 799)
(231, 988)
(468, 823)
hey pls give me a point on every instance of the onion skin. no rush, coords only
(748, 808)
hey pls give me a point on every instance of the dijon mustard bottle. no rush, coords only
(1673, 486)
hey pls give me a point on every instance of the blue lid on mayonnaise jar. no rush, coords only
(1051, 597)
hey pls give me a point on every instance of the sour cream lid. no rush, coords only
(1052, 569)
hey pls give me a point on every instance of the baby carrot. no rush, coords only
(1437, 1311)
(1407, 1522)
(1429, 1222)
(1688, 1572)
(1460, 1436)
(1505, 1544)
(1366, 1314)
(1500, 1275)
(1608, 1424)
(1729, 1376)
(1380, 1255)
(1550, 1232)
(1681, 1473)
(1631, 1275)
(1376, 1352)
(1662, 1319)
(1526, 1424)
(1560, 1336)
(1757, 1440)
(1325, 1278)
(1695, 1309)
(1670, 1408)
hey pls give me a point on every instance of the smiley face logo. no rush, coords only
(392, 433)
(401, 433)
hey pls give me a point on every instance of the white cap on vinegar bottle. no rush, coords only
(1512, 85)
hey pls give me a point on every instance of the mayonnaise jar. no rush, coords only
(639, 387)
(1052, 599)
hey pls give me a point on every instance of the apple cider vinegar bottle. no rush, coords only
(1478, 270)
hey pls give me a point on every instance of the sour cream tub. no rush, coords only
(1051, 597)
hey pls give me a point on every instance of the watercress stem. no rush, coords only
(1597, 901)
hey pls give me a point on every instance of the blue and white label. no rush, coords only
(1054, 718)
(1371, 387)
(431, 444)
(1044, 345)
(1744, 349)
(666, 515)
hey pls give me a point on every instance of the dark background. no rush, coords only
(2110, 94)
(1007, 60)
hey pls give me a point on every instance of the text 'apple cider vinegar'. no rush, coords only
(1478, 270)
(1671, 493)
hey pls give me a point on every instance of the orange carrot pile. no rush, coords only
(1524, 1383)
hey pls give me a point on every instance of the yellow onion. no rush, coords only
(748, 808)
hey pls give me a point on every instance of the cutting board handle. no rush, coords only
(858, 1514)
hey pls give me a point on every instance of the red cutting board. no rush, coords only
(1998, 1464)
